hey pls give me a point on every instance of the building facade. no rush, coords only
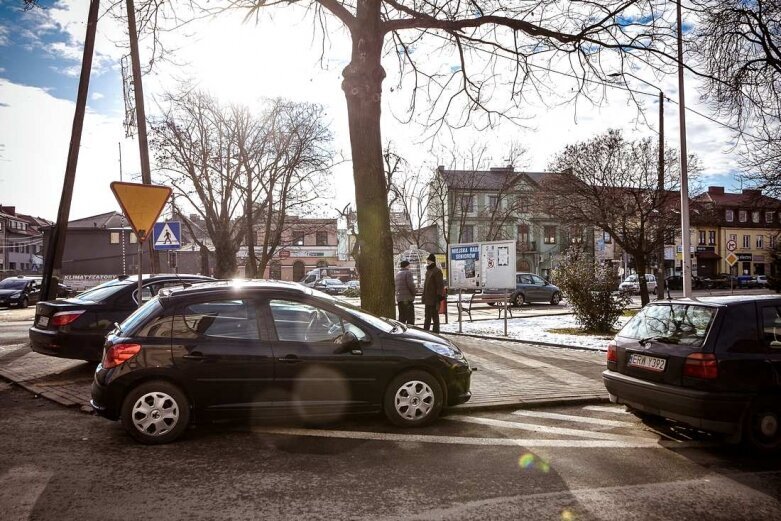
(21, 242)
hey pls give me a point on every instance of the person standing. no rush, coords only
(433, 287)
(405, 293)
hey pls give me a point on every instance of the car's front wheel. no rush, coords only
(518, 300)
(555, 298)
(762, 430)
(24, 302)
(413, 399)
(155, 412)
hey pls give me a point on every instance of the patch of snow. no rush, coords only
(535, 329)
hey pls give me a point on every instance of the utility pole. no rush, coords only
(661, 283)
(685, 238)
(122, 219)
(138, 90)
(56, 245)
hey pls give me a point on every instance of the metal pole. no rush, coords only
(506, 305)
(56, 245)
(460, 303)
(685, 239)
(661, 284)
(140, 269)
(138, 91)
(122, 218)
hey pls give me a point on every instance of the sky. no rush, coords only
(244, 61)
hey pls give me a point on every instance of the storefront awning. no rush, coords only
(708, 255)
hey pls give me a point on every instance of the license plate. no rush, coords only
(43, 321)
(647, 362)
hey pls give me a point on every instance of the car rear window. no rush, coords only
(684, 324)
(105, 290)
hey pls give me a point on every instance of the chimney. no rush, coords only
(716, 190)
(10, 210)
(752, 193)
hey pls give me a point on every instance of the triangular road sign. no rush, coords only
(141, 204)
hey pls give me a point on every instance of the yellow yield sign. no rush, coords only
(141, 204)
(731, 259)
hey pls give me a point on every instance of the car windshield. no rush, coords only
(13, 283)
(333, 282)
(631, 278)
(684, 324)
(104, 291)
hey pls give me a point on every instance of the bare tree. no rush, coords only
(239, 170)
(195, 148)
(290, 158)
(738, 46)
(612, 184)
(496, 44)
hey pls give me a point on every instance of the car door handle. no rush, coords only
(195, 355)
(289, 359)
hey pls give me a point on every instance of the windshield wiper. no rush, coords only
(663, 339)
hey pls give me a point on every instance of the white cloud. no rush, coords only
(96, 96)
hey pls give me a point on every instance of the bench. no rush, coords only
(470, 301)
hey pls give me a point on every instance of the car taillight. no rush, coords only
(64, 318)
(612, 355)
(701, 365)
(119, 354)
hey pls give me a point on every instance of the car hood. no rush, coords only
(9, 292)
(423, 336)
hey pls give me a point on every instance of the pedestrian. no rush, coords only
(405, 293)
(433, 287)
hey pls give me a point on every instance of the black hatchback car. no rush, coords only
(713, 363)
(77, 327)
(269, 349)
(19, 291)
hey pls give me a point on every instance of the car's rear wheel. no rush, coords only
(762, 430)
(155, 412)
(518, 300)
(413, 399)
(555, 298)
(24, 302)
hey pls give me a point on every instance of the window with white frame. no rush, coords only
(467, 203)
(747, 241)
(712, 238)
(468, 233)
(114, 239)
(760, 241)
(772, 241)
(702, 237)
(755, 216)
(742, 215)
(493, 203)
(549, 234)
(729, 215)
(768, 217)
(133, 238)
(733, 237)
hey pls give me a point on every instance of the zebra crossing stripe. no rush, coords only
(572, 418)
(605, 408)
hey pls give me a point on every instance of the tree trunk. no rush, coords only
(251, 268)
(205, 270)
(362, 86)
(640, 265)
(225, 254)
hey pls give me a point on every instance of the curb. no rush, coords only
(519, 341)
(524, 404)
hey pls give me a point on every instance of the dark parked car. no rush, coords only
(330, 286)
(532, 288)
(713, 363)
(269, 349)
(676, 282)
(77, 327)
(19, 291)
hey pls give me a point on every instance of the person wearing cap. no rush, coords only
(433, 287)
(405, 293)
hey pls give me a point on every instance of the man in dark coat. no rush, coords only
(405, 293)
(433, 289)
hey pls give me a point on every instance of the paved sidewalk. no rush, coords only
(509, 374)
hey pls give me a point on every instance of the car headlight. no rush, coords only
(445, 350)
(17, 294)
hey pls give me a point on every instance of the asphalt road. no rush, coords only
(574, 463)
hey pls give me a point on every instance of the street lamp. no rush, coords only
(660, 178)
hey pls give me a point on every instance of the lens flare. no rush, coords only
(529, 461)
(567, 515)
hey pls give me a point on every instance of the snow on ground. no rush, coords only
(534, 329)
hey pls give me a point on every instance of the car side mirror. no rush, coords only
(349, 342)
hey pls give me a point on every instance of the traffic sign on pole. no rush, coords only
(141, 204)
(167, 235)
(731, 259)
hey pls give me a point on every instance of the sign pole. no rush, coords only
(505, 314)
(140, 267)
(460, 303)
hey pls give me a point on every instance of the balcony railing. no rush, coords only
(526, 246)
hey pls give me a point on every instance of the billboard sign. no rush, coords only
(482, 265)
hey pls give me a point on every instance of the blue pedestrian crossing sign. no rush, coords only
(167, 235)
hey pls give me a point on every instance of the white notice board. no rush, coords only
(482, 265)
